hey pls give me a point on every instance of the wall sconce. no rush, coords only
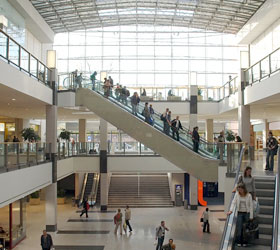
(51, 59)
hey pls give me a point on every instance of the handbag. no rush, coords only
(201, 220)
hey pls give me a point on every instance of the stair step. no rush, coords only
(265, 192)
(265, 229)
(265, 185)
(266, 210)
(264, 240)
(265, 219)
(266, 201)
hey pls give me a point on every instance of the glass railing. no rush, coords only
(14, 54)
(172, 94)
(263, 68)
(19, 155)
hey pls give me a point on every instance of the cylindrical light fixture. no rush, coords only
(3, 22)
(51, 59)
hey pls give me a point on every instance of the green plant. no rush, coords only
(35, 195)
(61, 193)
(65, 135)
(199, 91)
(29, 134)
(210, 99)
(230, 136)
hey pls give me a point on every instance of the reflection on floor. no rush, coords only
(185, 229)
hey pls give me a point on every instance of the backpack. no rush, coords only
(162, 117)
(87, 206)
(127, 93)
(276, 147)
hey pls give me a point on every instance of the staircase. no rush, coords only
(265, 188)
(139, 191)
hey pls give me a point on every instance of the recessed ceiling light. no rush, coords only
(13, 99)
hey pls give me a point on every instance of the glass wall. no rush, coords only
(150, 56)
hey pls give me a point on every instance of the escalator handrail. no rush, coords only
(228, 236)
(94, 190)
(276, 224)
(184, 142)
(83, 189)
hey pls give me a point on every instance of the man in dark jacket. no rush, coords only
(271, 147)
(195, 138)
(85, 208)
(46, 241)
(176, 125)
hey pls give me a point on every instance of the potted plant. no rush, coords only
(35, 198)
(64, 135)
(230, 136)
(61, 196)
(29, 135)
(199, 94)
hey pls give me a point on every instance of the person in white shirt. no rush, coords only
(160, 234)
(128, 217)
(206, 224)
(244, 206)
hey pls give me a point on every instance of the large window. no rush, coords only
(150, 56)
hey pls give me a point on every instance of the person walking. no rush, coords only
(244, 205)
(127, 216)
(195, 139)
(248, 181)
(175, 126)
(46, 241)
(206, 224)
(118, 221)
(271, 148)
(85, 208)
(160, 234)
(169, 246)
(135, 103)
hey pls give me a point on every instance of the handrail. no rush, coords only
(28, 59)
(83, 189)
(276, 224)
(227, 237)
(93, 193)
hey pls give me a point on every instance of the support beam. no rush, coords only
(209, 130)
(82, 130)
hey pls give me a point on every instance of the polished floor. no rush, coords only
(184, 226)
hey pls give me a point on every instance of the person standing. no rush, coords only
(46, 241)
(146, 114)
(134, 103)
(85, 208)
(195, 139)
(168, 121)
(221, 145)
(160, 234)
(93, 79)
(79, 80)
(152, 112)
(118, 221)
(128, 218)
(206, 224)
(163, 118)
(271, 147)
(176, 125)
(244, 205)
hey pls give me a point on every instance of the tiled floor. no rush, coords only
(184, 226)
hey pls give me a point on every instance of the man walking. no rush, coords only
(176, 125)
(160, 233)
(206, 224)
(128, 217)
(85, 208)
(195, 138)
(271, 147)
(46, 241)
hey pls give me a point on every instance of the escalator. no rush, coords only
(267, 191)
(203, 165)
(89, 188)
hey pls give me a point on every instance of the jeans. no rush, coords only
(84, 211)
(93, 84)
(242, 219)
(195, 146)
(206, 224)
(128, 224)
(270, 159)
(166, 128)
(134, 109)
(160, 243)
(175, 131)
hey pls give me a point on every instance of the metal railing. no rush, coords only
(14, 54)
(178, 93)
(17, 155)
(263, 68)
(276, 212)
(230, 224)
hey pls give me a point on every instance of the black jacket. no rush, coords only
(173, 124)
(49, 242)
(195, 136)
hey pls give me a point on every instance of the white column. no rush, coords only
(209, 127)
(51, 207)
(82, 130)
(193, 193)
(193, 107)
(103, 128)
(244, 125)
(265, 132)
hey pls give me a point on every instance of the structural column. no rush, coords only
(20, 124)
(51, 140)
(209, 130)
(103, 127)
(265, 132)
(82, 130)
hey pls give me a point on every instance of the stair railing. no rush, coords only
(83, 189)
(230, 225)
(276, 224)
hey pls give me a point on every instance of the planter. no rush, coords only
(199, 97)
(34, 201)
(61, 201)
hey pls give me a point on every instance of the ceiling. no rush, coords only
(227, 16)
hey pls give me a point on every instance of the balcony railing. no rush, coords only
(14, 54)
(263, 68)
(182, 93)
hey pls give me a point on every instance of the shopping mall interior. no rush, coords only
(153, 107)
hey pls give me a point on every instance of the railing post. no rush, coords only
(68, 149)
(17, 152)
(6, 156)
(27, 155)
(8, 48)
(37, 149)
(29, 63)
(140, 149)
(58, 151)
(269, 63)
(124, 148)
(260, 69)
(229, 158)
(63, 149)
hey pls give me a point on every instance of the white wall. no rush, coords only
(33, 45)
(65, 168)
(17, 184)
(177, 179)
(228, 104)
(23, 83)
